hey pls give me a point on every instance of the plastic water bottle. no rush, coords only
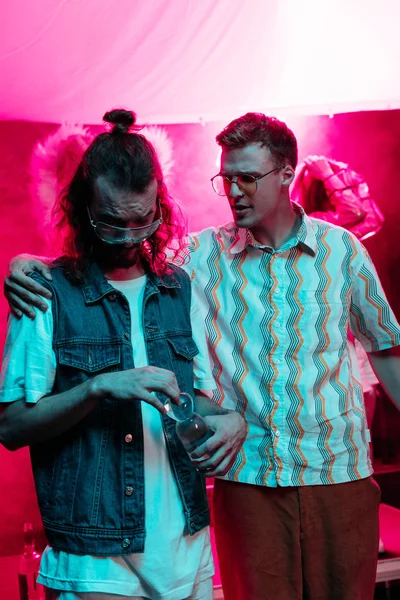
(28, 570)
(191, 428)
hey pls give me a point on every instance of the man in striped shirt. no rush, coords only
(297, 514)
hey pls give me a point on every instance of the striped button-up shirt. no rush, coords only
(277, 323)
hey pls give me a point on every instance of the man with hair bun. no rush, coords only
(84, 385)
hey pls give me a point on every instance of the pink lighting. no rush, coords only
(328, 68)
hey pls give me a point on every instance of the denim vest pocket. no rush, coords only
(90, 357)
(182, 350)
(183, 347)
(79, 360)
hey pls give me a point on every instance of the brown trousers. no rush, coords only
(311, 543)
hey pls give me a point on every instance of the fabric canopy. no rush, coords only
(175, 61)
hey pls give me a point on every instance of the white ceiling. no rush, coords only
(175, 61)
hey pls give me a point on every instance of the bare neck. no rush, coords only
(133, 272)
(278, 229)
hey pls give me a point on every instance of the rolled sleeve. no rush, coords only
(372, 320)
(29, 364)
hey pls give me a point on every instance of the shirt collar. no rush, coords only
(305, 238)
(95, 285)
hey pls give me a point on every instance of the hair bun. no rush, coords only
(122, 120)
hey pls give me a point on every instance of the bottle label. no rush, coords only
(189, 448)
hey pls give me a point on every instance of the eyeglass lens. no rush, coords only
(246, 183)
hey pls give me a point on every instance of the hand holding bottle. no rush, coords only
(191, 428)
(213, 442)
(216, 456)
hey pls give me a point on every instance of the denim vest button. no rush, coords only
(112, 296)
(129, 490)
(128, 438)
(126, 543)
(192, 524)
(126, 334)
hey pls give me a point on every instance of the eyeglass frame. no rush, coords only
(126, 229)
(230, 181)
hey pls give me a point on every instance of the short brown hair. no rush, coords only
(269, 131)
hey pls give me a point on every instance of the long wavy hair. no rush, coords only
(129, 162)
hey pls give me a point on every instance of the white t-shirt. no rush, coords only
(172, 563)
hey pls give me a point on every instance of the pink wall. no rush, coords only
(368, 141)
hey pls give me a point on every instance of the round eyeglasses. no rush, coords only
(110, 234)
(245, 182)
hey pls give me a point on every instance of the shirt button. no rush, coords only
(128, 438)
(129, 490)
(126, 334)
(112, 296)
(277, 433)
(126, 542)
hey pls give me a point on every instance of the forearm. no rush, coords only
(24, 424)
(46, 260)
(25, 262)
(206, 407)
(386, 365)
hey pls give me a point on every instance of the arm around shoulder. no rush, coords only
(22, 292)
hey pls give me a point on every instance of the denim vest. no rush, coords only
(90, 480)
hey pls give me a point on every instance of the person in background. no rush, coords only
(53, 164)
(84, 384)
(331, 191)
(296, 515)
